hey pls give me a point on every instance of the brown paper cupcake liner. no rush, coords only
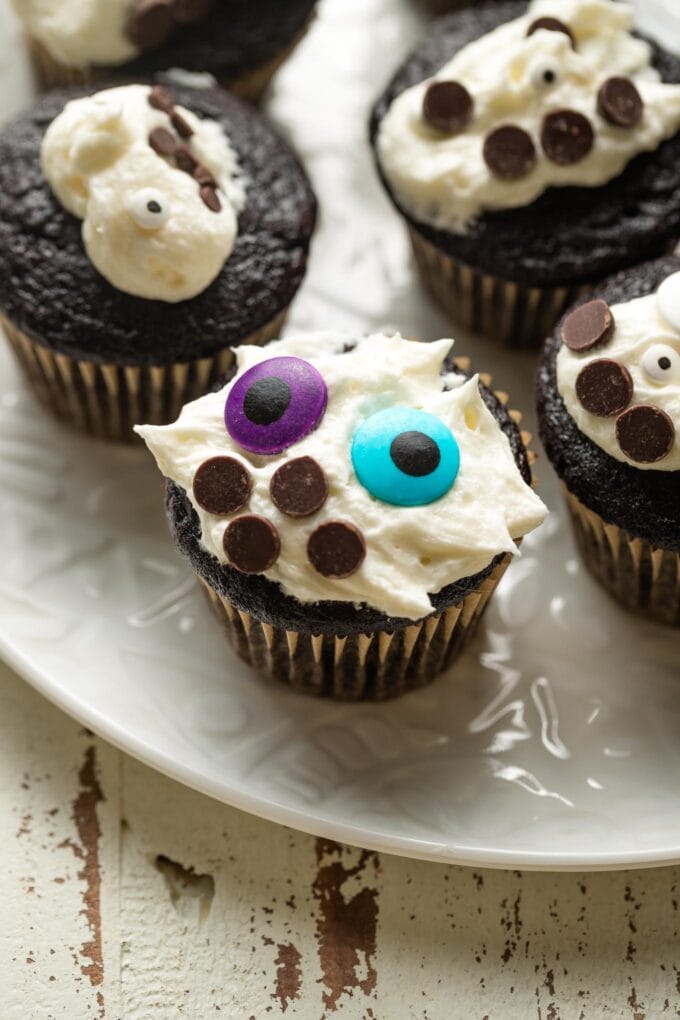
(106, 400)
(513, 314)
(372, 667)
(643, 578)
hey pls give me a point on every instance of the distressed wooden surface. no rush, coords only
(125, 895)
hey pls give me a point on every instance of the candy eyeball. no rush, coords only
(405, 457)
(661, 363)
(149, 208)
(544, 74)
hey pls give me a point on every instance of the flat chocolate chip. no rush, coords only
(620, 103)
(509, 152)
(210, 198)
(187, 11)
(149, 23)
(185, 159)
(299, 487)
(566, 136)
(222, 485)
(604, 387)
(645, 433)
(163, 142)
(252, 544)
(336, 549)
(203, 175)
(551, 25)
(180, 125)
(588, 325)
(161, 99)
(447, 106)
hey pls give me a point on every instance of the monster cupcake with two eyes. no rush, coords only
(349, 505)
(144, 232)
(608, 392)
(532, 149)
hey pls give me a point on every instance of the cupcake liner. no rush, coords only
(643, 578)
(513, 314)
(106, 400)
(370, 667)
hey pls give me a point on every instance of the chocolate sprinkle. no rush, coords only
(222, 485)
(604, 387)
(551, 25)
(180, 125)
(252, 544)
(645, 433)
(620, 103)
(336, 549)
(185, 159)
(588, 325)
(161, 99)
(149, 23)
(210, 198)
(187, 11)
(203, 175)
(299, 487)
(509, 152)
(566, 136)
(447, 106)
(163, 142)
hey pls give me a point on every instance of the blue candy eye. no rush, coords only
(405, 457)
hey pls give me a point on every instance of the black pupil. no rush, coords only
(267, 400)
(153, 206)
(415, 454)
(664, 363)
(549, 77)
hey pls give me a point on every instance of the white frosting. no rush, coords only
(443, 179)
(98, 161)
(641, 336)
(410, 550)
(79, 32)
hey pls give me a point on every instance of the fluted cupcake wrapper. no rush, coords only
(512, 314)
(370, 667)
(643, 578)
(106, 400)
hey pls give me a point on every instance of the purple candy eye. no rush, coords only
(275, 404)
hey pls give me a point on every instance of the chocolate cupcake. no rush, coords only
(532, 150)
(348, 508)
(608, 392)
(240, 44)
(143, 234)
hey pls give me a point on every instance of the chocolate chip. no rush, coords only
(588, 325)
(551, 25)
(299, 487)
(447, 106)
(336, 549)
(185, 159)
(252, 544)
(415, 453)
(161, 99)
(149, 23)
(604, 387)
(210, 198)
(162, 142)
(187, 11)
(222, 485)
(566, 136)
(203, 175)
(620, 103)
(509, 152)
(180, 125)
(645, 433)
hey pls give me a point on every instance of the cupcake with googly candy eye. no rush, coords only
(240, 45)
(349, 505)
(145, 231)
(532, 149)
(608, 393)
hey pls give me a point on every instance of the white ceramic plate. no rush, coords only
(555, 742)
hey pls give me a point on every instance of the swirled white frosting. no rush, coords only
(640, 337)
(410, 550)
(443, 180)
(79, 32)
(98, 161)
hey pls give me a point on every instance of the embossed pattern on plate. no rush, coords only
(554, 743)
